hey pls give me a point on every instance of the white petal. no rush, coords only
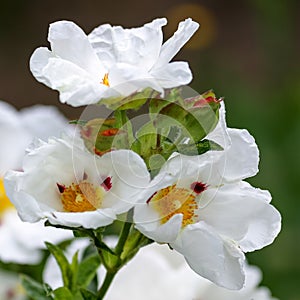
(162, 233)
(210, 256)
(26, 205)
(243, 214)
(220, 134)
(76, 86)
(90, 219)
(38, 61)
(242, 157)
(43, 121)
(170, 48)
(129, 176)
(69, 42)
(127, 79)
(173, 74)
(136, 46)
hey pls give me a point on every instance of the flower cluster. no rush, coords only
(173, 174)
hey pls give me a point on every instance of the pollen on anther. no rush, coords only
(105, 80)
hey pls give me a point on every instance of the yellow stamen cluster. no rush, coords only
(81, 197)
(105, 80)
(4, 201)
(171, 201)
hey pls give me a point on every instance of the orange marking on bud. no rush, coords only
(109, 132)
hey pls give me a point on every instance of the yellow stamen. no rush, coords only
(172, 200)
(4, 201)
(105, 80)
(81, 197)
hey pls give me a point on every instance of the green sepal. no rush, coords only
(198, 148)
(87, 270)
(157, 104)
(102, 135)
(133, 101)
(88, 295)
(134, 242)
(195, 123)
(109, 259)
(34, 289)
(78, 122)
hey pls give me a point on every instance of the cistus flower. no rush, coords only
(202, 208)
(10, 286)
(22, 242)
(111, 61)
(66, 184)
(18, 128)
(163, 274)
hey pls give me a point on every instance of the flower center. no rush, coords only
(4, 201)
(171, 201)
(81, 197)
(105, 80)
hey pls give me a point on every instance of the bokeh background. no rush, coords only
(247, 51)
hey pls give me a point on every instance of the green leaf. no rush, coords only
(63, 293)
(88, 295)
(87, 270)
(74, 271)
(34, 289)
(63, 264)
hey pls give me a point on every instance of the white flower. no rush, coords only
(110, 61)
(163, 274)
(21, 242)
(10, 287)
(68, 185)
(202, 208)
(17, 129)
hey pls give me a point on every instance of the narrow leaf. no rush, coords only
(34, 289)
(87, 270)
(62, 263)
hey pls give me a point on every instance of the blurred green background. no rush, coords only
(247, 51)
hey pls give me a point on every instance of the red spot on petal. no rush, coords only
(151, 198)
(85, 176)
(107, 184)
(61, 187)
(198, 187)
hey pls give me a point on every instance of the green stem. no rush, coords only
(111, 272)
(106, 284)
(123, 237)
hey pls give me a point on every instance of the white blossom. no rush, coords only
(64, 183)
(202, 208)
(163, 274)
(17, 130)
(111, 60)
